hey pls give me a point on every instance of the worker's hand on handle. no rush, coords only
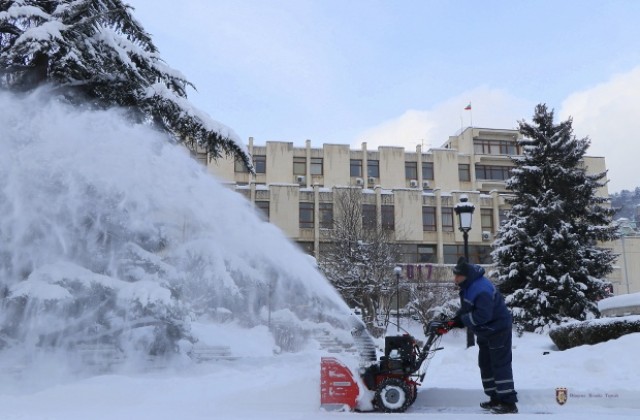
(455, 322)
(442, 330)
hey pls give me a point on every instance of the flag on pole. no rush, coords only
(468, 107)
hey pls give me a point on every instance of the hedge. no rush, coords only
(593, 331)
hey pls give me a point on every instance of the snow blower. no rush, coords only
(393, 380)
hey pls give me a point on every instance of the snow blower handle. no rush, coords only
(437, 328)
(443, 329)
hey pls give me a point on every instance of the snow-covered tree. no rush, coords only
(429, 299)
(549, 262)
(360, 259)
(94, 51)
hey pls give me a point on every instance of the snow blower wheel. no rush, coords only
(393, 396)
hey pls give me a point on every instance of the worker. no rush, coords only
(484, 312)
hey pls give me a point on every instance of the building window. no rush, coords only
(426, 253)
(427, 170)
(369, 219)
(373, 168)
(316, 166)
(412, 254)
(411, 170)
(388, 217)
(203, 158)
(299, 166)
(478, 254)
(493, 172)
(307, 247)
(495, 147)
(407, 253)
(326, 215)
(306, 216)
(356, 167)
(239, 166)
(260, 164)
(486, 220)
(464, 172)
(264, 207)
(447, 219)
(428, 219)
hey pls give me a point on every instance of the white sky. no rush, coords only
(400, 73)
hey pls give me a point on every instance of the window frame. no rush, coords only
(447, 222)
(306, 215)
(464, 172)
(427, 171)
(355, 164)
(486, 220)
(369, 222)
(299, 162)
(325, 214)
(388, 217)
(240, 167)
(411, 170)
(373, 168)
(493, 172)
(428, 213)
(260, 164)
(316, 166)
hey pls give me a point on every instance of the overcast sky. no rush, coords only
(400, 72)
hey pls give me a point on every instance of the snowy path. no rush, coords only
(601, 380)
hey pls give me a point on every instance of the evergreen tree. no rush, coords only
(95, 51)
(549, 264)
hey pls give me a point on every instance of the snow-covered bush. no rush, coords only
(593, 331)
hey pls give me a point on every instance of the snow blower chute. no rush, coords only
(393, 380)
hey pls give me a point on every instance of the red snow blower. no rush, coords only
(394, 379)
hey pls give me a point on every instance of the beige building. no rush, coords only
(411, 193)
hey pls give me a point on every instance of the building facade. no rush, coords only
(412, 194)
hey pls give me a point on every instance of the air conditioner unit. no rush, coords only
(372, 180)
(486, 236)
(359, 182)
(301, 179)
(413, 183)
(425, 185)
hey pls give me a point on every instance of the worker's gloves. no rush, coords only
(455, 322)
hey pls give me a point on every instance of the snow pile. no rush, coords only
(110, 235)
(621, 301)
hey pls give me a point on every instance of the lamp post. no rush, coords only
(464, 209)
(397, 270)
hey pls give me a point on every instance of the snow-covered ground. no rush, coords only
(601, 381)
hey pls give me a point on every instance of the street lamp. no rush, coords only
(464, 209)
(397, 270)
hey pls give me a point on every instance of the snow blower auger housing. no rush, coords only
(394, 379)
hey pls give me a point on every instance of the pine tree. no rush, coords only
(95, 51)
(549, 264)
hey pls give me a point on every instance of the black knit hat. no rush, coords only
(462, 267)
